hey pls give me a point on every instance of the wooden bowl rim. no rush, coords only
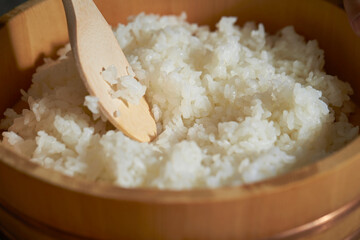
(293, 179)
(18, 9)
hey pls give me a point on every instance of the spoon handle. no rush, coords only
(89, 28)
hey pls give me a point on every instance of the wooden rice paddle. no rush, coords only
(95, 47)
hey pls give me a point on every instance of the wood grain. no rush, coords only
(256, 211)
(22, 46)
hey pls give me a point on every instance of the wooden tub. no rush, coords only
(320, 201)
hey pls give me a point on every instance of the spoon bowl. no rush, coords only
(95, 48)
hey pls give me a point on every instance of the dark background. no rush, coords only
(7, 5)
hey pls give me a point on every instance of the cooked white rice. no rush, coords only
(124, 87)
(232, 106)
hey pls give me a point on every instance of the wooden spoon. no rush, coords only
(95, 47)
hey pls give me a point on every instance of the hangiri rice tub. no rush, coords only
(232, 106)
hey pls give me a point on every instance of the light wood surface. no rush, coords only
(256, 211)
(95, 48)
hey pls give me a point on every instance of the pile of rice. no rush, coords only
(232, 106)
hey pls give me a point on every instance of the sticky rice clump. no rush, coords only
(232, 106)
